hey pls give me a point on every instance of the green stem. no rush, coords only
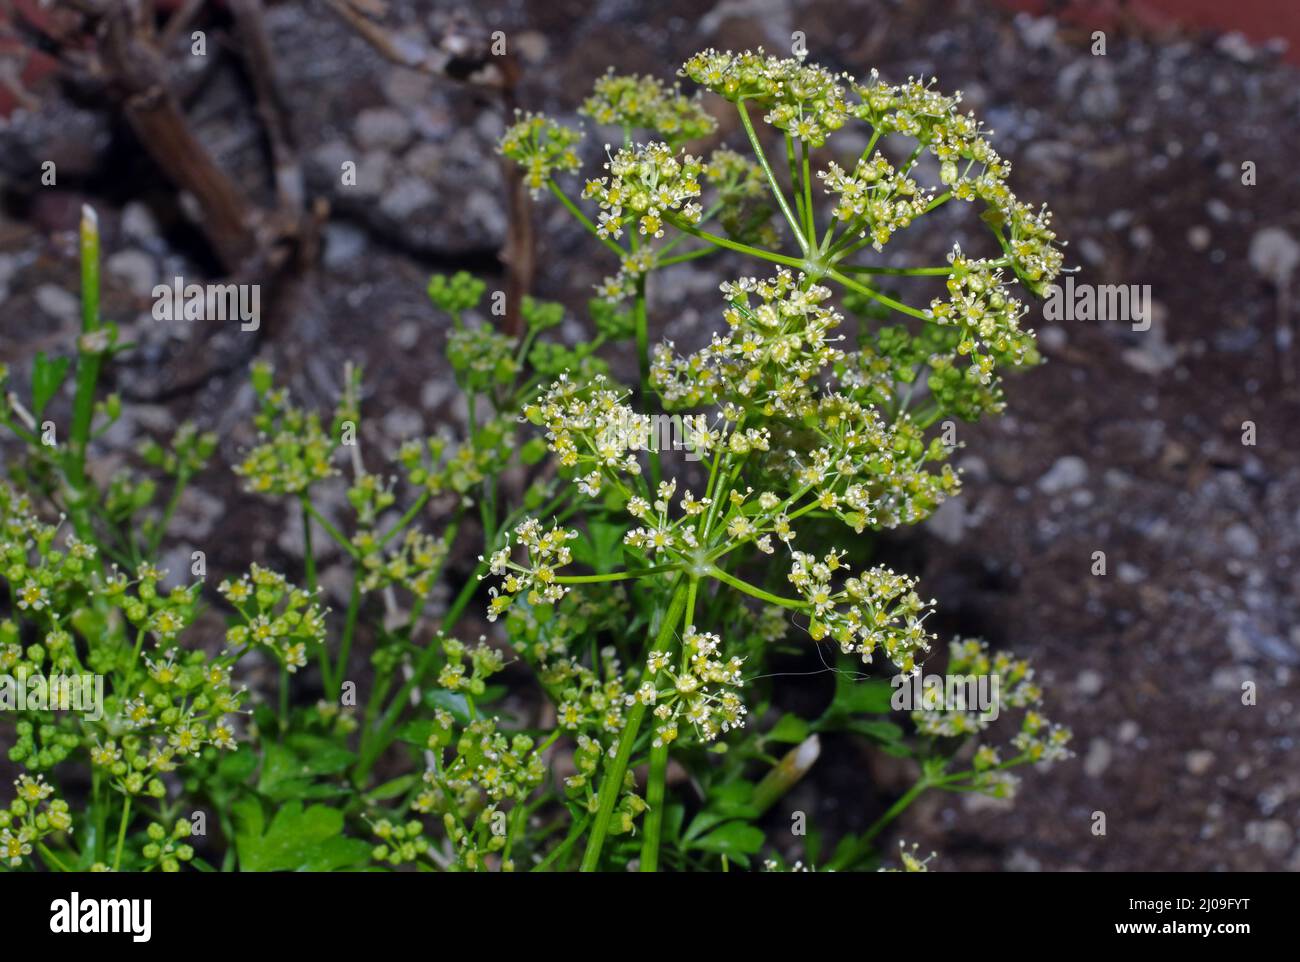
(810, 230)
(853, 285)
(584, 219)
(349, 630)
(732, 245)
(50, 857)
(771, 177)
(611, 785)
(754, 590)
(121, 832)
(88, 363)
(407, 518)
(155, 541)
(564, 847)
(658, 777)
(330, 530)
(862, 847)
(614, 575)
(688, 256)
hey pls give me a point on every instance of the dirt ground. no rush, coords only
(1125, 442)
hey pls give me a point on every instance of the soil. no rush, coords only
(1130, 443)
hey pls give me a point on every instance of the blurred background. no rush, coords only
(226, 165)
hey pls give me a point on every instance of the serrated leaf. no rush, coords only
(297, 840)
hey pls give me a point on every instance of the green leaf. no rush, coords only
(448, 701)
(602, 548)
(734, 838)
(398, 786)
(869, 696)
(791, 729)
(298, 839)
(289, 770)
(47, 378)
(533, 451)
(236, 766)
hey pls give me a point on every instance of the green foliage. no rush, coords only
(642, 552)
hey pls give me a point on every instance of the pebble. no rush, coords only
(1068, 472)
(1241, 540)
(1273, 835)
(1199, 761)
(1098, 758)
(57, 303)
(136, 269)
(406, 197)
(1274, 254)
(382, 128)
(1089, 682)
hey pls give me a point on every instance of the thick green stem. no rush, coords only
(89, 354)
(657, 780)
(611, 786)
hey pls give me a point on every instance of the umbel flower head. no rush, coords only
(275, 615)
(647, 103)
(703, 694)
(777, 342)
(1036, 741)
(542, 147)
(544, 553)
(877, 610)
(804, 99)
(646, 182)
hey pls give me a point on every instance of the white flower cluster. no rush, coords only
(703, 693)
(875, 196)
(777, 343)
(545, 552)
(646, 182)
(878, 609)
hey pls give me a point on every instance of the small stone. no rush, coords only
(1199, 761)
(1272, 835)
(1129, 731)
(344, 244)
(136, 269)
(1089, 682)
(1068, 472)
(1274, 254)
(1098, 758)
(382, 128)
(1022, 861)
(405, 198)
(1130, 574)
(1198, 237)
(1053, 338)
(139, 223)
(57, 303)
(1241, 540)
(948, 523)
